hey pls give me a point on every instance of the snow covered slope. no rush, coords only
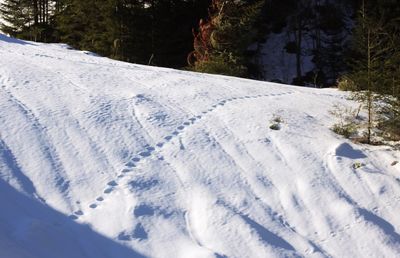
(100, 158)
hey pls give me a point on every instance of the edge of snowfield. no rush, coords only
(100, 158)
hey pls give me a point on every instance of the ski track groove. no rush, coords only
(150, 151)
(47, 148)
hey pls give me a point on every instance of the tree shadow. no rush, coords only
(13, 40)
(347, 151)
(8, 158)
(267, 236)
(29, 228)
(384, 225)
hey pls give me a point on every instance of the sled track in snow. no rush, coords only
(151, 151)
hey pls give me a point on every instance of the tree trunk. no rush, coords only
(35, 12)
(369, 90)
(298, 50)
(47, 10)
(39, 7)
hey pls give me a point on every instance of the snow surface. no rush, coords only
(100, 158)
(279, 65)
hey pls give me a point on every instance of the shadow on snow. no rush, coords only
(29, 228)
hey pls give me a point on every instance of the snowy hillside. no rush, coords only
(100, 158)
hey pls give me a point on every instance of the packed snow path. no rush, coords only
(100, 158)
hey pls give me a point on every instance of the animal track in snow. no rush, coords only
(78, 213)
(112, 183)
(138, 233)
(108, 190)
(145, 154)
(150, 151)
(135, 159)
(143, 210)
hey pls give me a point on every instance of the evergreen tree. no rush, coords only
(89, 25)
(299, 23)
(374, 61)
(331, 43)
(217, 46)
(17, 16)
(153, 32)
(172, 30)
(390, 89)
(28, 19)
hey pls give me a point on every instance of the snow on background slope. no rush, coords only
(100, 158)
(279, 65)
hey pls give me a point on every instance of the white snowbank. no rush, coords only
(100, 158)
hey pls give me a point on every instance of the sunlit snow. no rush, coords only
(100, 158)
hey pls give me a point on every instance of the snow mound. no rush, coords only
(100, 158)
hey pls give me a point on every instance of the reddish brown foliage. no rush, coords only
(202, 38)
